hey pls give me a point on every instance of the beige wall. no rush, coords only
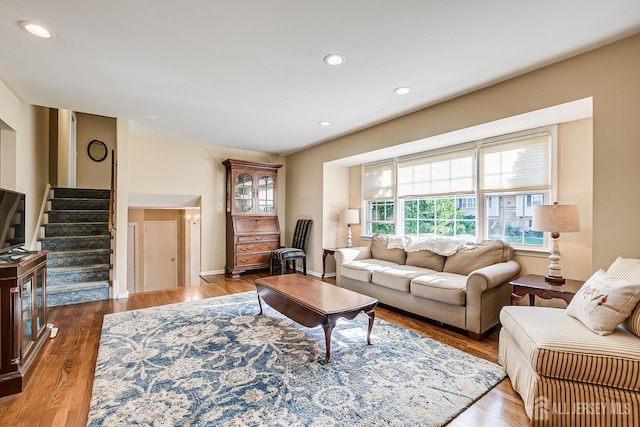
(28, 160)
(608, 74)
(91, 174)
(182, 168)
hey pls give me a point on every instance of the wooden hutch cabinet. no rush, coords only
(23, 318)
(253, 230)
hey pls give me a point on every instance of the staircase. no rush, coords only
(79, 244)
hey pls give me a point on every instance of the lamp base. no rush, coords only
(554, 280)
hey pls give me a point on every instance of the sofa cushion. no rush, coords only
(380, 250)
(560, 346)
(481, 254)
(361, 269)
(604, 302)
(628, 269)
(397, 278)
(426, 259)
(444, 287)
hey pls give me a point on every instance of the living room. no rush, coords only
(312, 180)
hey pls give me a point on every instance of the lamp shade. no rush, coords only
(350, 216)
(556, 218)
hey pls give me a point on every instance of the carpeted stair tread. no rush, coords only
(76, 242)
(79, 286)
(79, 204)
(84, 267)
(76, 293)
(77, 229)
(78, 258)
(86, 193)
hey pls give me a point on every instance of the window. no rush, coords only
(379, 194)
(440, 215)
(481, 190)
(514, 176)
(509, 218)
(431, 187)
(380, 217)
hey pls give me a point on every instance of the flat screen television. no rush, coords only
(12, 220)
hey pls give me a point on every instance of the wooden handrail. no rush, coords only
(113, 190)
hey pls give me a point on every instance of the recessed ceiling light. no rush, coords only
(334, 59)
(402, 90)
(324, 123)
(36, 29)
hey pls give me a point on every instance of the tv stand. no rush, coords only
(23, 315)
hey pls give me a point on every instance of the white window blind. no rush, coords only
(380, 181)
(523, 164)
(442, 174)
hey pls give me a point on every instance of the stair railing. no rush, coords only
(112, 192)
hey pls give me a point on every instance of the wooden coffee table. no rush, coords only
(311, 302)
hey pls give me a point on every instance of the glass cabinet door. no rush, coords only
(243, 192)
(27, 314)
(266, 193)
(39, 314)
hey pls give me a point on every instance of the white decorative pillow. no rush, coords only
(604, 302)
(628, 269)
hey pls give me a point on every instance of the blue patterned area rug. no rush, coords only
(215, 362)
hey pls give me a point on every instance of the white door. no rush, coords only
(160, 255)
(132, 257)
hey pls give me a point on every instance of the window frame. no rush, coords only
(550, 194)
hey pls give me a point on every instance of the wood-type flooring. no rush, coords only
(59, 392)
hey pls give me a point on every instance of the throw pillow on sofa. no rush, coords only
(472, 257)
(604, 302)
(380, 250)
(628, 269)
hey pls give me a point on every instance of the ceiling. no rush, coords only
(249, 74)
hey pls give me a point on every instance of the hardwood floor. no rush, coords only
(59, 392)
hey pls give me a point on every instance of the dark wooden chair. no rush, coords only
(297, 249)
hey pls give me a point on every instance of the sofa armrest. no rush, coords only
(343, 255)
(486, 294)
(492, 275)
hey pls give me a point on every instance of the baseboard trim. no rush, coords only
(211, 273)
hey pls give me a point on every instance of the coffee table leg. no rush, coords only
(372, 315)
(328, 328)
(260, 304)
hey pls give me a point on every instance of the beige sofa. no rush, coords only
(465, 289)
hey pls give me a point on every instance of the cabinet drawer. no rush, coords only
(253, 259)
(248, 248)
(259, 238)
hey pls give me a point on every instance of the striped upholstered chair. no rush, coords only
(567, 373)
(297, 249)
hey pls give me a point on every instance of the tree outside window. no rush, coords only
(440, 216)
(381, 217)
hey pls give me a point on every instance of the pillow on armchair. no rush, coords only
(604, 302)
(628, 269)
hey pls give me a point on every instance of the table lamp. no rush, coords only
(349, 216)
(555, 219)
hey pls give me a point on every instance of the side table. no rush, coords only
(325, 253)
(534, 284)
